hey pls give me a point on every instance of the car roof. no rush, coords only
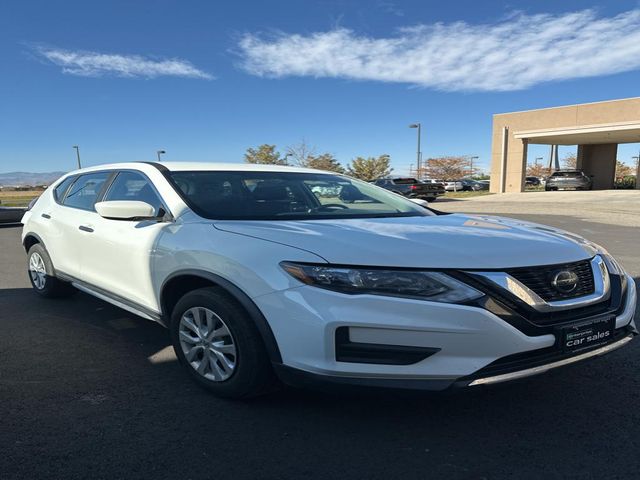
(203, 166)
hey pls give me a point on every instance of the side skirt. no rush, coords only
(113, 299)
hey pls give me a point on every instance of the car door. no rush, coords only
(68, 220)
(117, 254)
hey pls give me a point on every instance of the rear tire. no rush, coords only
(42, 275)
(219, 346)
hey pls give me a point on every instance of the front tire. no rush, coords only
(219, 345)
(42, 275)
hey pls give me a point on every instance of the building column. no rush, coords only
(599, 162)
(503, 159)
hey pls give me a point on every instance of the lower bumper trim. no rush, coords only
(549, 366)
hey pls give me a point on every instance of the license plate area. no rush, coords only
(587, 334)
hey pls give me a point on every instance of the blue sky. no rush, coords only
(205, 80)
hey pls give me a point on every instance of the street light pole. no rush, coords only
(287, 155)
(78, 155)
(471, 166)
(160, 152)
(419, 153)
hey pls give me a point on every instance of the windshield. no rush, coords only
(405, 181)
(567, 174)
(240, 195)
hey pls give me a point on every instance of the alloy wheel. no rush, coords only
(37, 271)
(207, 344)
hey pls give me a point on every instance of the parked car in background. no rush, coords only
(531, 181)
(257, 277)
(469, 185)
(568, 179)
(10, 215)
(411, 187)
(453, 186)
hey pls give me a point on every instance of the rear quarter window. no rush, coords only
(61, 189)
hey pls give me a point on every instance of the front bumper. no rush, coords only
(469, 343)
(435, 193)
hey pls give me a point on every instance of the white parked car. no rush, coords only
(451, 186)
(258, 278)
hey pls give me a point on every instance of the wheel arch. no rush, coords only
(183, 281)
(30, 239)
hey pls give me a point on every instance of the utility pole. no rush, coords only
(419, 153)
(160, 152)
(637, 171)
(78, 155)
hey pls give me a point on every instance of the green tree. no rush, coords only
(326, 161)
(370, 168)
(264, 154)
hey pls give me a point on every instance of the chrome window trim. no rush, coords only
(602, 289)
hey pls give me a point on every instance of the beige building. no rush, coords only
(596, 128)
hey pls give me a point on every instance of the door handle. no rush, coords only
(46, 215)
(85, 228)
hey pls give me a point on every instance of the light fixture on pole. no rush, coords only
(77, 148)
(419, 153)
(160, 152)
(287, 155)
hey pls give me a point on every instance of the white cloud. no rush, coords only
(95, 64)
(517, 53)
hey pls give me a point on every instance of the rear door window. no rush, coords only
(84, 192)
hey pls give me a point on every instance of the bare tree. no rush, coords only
(624, 170)
(448, 168)
(537, 170)
(301, 153)
(570, 161)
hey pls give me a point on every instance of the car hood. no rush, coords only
(443, 241)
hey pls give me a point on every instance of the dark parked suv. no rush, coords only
(411, 187)
(564, 179)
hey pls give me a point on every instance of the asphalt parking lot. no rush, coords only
(89, 391)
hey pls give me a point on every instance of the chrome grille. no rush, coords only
(540, 280)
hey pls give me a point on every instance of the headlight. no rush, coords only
(432, 286)
(612, 264)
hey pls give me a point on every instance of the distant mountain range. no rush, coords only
(28, 178)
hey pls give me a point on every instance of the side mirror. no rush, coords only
(126, 210)
(421, 202)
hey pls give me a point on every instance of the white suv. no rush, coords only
(258, 276)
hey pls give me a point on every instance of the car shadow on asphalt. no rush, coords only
(82, 330)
